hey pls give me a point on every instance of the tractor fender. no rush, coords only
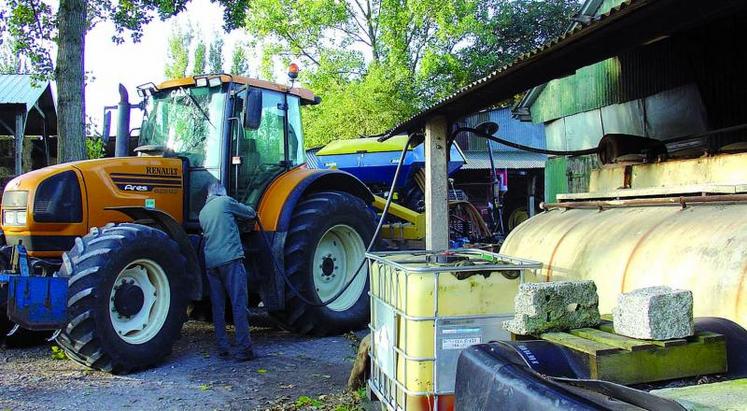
(323, 180)
(275, 210)
(166, 223)
(276, 205)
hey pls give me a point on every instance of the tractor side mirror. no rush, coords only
(253, 109)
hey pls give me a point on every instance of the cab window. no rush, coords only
(257, 155)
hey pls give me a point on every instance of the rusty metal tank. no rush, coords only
(695, 242)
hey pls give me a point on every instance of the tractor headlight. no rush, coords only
(14, 217)
(9, 218)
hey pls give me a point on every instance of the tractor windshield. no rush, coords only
(187, 121)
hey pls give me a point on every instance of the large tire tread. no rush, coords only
(310, 213)
(89, 265)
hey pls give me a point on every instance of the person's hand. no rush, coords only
(246, 225)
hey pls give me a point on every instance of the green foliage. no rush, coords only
(508, 28)
(364, 106)
(31, 26)
(10, 63)
(215, 55)
(377, 63)
(95, 148)
(58, 353)
(239, 63)
(198, 66)
(306, 401)
(177, 55)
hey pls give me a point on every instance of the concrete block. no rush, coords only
(654, 313)
(554, 306)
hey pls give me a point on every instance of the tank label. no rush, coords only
(460, 331)
(459, 343)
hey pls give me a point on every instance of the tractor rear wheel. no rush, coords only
(127, 298)
(327, 240)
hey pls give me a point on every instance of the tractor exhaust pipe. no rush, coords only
(122, 147)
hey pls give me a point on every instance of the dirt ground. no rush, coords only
(291, 372)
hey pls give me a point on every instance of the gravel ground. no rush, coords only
(289, 367)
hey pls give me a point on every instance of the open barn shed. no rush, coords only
(27, 115)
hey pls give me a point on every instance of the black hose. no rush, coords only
(491, 137)
(332, 299)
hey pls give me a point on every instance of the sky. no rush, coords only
(133, 64)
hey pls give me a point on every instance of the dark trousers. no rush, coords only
(230, 278)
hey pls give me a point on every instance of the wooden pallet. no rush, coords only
(624, 360)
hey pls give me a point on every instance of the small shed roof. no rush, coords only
(19, 92)
(626, 26)
(480, 160)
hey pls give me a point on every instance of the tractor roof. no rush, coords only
(306, 96)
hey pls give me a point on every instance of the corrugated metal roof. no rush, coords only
(20, 89)
(632, 23)
(479, 160)
(509, 128)
(312, 161)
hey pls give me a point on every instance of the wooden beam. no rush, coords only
(7, 127)
(436, 185)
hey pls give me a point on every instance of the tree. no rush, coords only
(239, 63)
(507, 29)
(30, 25)
(10, 63)
(406, 53)
(363, 106)
(71, 26)
(177, 55)
(198, 66)
(215, 55)
(35, 27)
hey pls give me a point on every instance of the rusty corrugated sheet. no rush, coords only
(556, 180)
(591, 87)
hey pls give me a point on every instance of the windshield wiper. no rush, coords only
(194, 101)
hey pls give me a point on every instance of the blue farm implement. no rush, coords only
(374, 163)
(33, 302)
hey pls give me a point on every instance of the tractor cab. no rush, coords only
(240, 131)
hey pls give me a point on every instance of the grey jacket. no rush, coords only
(218, 222)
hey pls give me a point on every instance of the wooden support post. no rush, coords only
(436, 185)
(20, 131)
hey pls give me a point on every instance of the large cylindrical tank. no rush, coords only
(701, 247)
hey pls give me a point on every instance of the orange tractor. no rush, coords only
(124, 233)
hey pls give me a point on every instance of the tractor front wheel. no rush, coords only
(127, 298)
(326, 243)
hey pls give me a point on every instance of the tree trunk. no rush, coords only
(71, 23)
